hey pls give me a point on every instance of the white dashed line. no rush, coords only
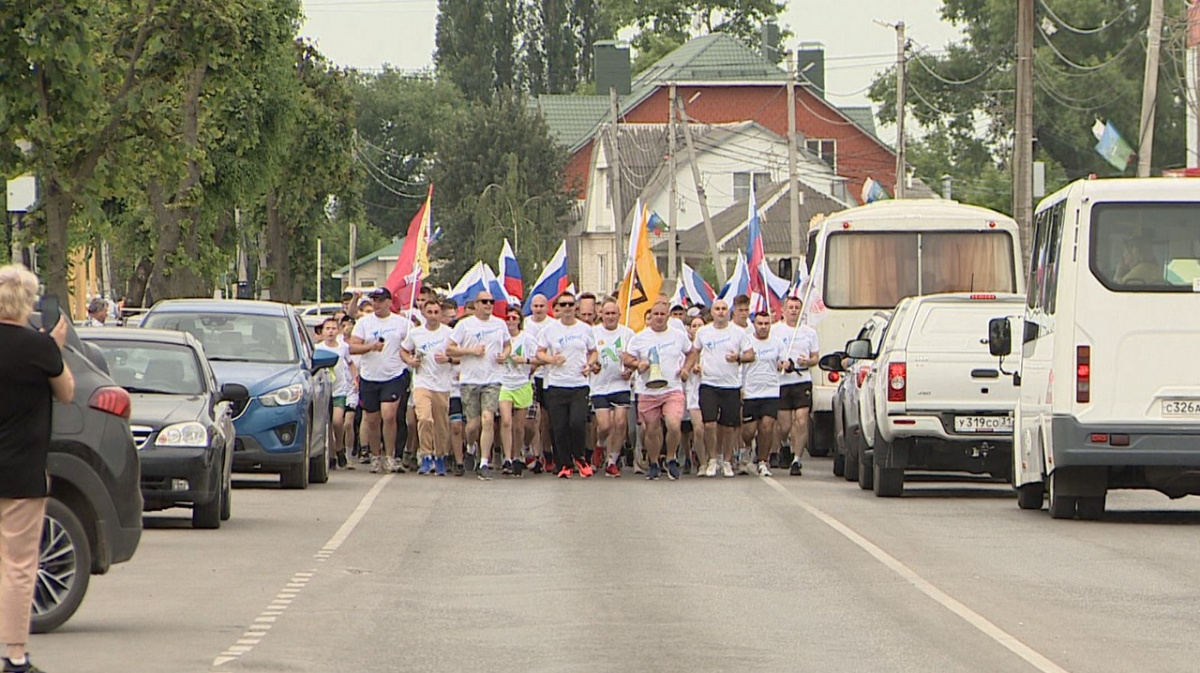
(981, 623)
(257, 631)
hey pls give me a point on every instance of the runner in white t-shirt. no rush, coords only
(567, 349)
(542, 452)
(760, 403)
(343, 384)
(609, 384)
(516, 393)
(693, 421)
(457, 421)
(482, 344)
(383, 378)
(795, 390)
(723, 347)
(433, 381)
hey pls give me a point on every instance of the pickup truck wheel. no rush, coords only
(1061, 506)
(839, 465)
(64, 568)
(208, 515)
(1030, 496)
(889, 481)
(853, 451)
(866, 472)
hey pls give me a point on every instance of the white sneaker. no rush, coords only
(726, 469)
(389, 464)
(763, 470)
(375, 464)
(711, 469)
(745, 467)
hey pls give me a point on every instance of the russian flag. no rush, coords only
(492, 283)
(553, 281)
(756, 257)
(739, 282)
(698, 290)
(777, 288)
(510, 274)
(478, 279)
(679, 297)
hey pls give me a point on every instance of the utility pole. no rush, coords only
(1023, 132)
(615, 177)
(700, 196)
(353, 280)
(672, 263)
(799, 240)
(901, 101)
(1150, 88)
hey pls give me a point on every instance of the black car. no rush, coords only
(94, 514)
(181, 419)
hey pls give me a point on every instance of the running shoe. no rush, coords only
(585, 470)
(598, 456)
(341, 459)
(26, 667)
(795, 470)
(507, 468)
(745, 466)
(613, 470)
(564, 473)
(727, 469)
(518, 467)
(551, 467)
(376, 464)
(773, 461)
(673, 470)
(459, 469)
(710, 470)
(426, 465)
(439, 466)
(484, 472)
(763, 470)
(534, 465)
(653, 472)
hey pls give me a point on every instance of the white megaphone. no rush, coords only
(654, 377)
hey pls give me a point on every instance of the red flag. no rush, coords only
(404, 281)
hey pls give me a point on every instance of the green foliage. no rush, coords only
(663, 25)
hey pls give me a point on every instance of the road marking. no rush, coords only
(981, 623)
(256, 631)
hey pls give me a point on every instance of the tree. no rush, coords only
(663, 25)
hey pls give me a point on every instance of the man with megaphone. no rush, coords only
(664, 357)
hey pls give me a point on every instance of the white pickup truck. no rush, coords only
(938, 401)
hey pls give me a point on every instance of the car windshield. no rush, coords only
(146, 367)
(236, 337)
(1146, 247)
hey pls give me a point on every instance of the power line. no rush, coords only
(951, 82)
(1105, 25)
(1085, 68)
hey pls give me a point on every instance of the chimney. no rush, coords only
(770, 40)
(612, 67)
(810, 64)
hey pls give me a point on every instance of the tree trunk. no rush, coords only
(57, 207)
(278, 264)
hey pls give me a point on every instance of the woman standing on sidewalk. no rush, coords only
(34, 374)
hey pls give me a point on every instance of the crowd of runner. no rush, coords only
(704, 391)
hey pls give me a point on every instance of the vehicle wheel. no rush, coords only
(866, 476)
(208, 515)
(64, 568)
(1091, 508)
(1061, 506)
(889, 482)
(839, 465)
(318, 466)
(850, 472)
(1030, 496)
(227, 499)
(296, 476)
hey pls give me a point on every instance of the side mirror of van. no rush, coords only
(832, 362)
(999, 337)
(859, 349)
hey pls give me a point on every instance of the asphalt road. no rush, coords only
(407, 573)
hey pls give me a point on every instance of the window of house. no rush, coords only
(741, 184)
(826, 149)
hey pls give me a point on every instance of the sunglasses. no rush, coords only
(565, 304)
(484, 301)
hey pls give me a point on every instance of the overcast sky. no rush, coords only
(369, 33)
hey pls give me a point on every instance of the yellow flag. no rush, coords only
(643, 282)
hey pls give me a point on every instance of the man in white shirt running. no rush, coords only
(568, 349)
(795, 390)
(538, 319)
(610, 386)
(483, 344)
(383, 377)
(760, 403)
(425, 352)
(723, 347)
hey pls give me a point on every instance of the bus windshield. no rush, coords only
(878, 269)
(1146, 247)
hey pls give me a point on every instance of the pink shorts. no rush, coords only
(651, 408)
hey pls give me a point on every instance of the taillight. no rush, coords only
(1083, 374)
(862, 374)
(111, 400)
(983, 296)
(897, 381)
(834, 377)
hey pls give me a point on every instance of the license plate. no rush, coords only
(1181, 408)
(983, 424)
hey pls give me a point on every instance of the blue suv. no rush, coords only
(283, 427)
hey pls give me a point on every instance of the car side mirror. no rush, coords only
(323, 359)
(832, 362)
(1000, 336)
(859, 349)
(234, 392)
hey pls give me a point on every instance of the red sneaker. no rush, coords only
(551, 467)
(564, 473)
(597, 457)
(585, 470)
(612, 470)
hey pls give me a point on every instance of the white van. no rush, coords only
(868, 258)
(1110, 395)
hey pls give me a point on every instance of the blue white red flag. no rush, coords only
(510, 274)
(553, 281)
(697, 290)
(739, 282)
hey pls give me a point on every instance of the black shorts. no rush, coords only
(721, 405)
(610, 401)
(372, 394)
(456, 410)
(686, 424)
(761, 407)
(539, 391)
(795, 396)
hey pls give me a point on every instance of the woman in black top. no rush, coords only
(34, 374)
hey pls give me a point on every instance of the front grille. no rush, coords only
(141, 434)
(238, 408)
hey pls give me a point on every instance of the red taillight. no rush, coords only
(897, 381)
(111, 400)
(1083, 374)
(862, 375)
(983, 296)
(834, 377)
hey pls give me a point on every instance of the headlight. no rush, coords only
(282, 397)
(190, 434)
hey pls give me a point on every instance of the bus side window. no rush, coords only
(1053, 255)
(1037, 259)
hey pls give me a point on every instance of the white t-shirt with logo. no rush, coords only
(762, 375)
(691, 392)
(715, 345)
(670, 347)
(425, 344)
(575, 342)
(534, 330)
(799, 342)
(382, 365)
(610, 344)
(516, 375)
(342, 383)
(481, 370)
